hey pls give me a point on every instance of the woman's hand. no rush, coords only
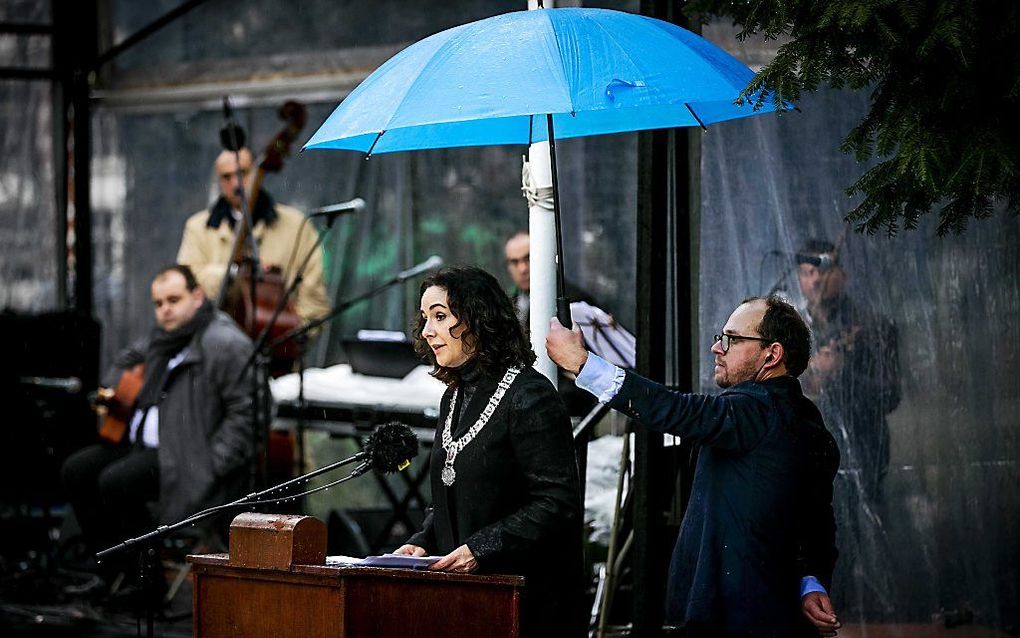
(410, 550)
(459, 560)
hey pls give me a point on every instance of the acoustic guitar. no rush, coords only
(116, 404)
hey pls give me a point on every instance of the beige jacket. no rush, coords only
(207, 250)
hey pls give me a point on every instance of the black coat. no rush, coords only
(205, 441)
(516, 502)
(760, 513)
(862, 390)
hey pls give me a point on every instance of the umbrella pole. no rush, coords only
(562, 304)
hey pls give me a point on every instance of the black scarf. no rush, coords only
(221, 211)
(163, 346)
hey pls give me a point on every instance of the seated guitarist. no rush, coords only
(209, 238)
(188, 443)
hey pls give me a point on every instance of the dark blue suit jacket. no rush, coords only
(760, 514)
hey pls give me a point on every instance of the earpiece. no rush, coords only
(768, 358)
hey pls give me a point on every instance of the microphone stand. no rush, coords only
(780, 282)
(339, 308)
(301, 334)
(147, 542)
(250, 499)
(261, 350)
(254, 264)
(298, 278)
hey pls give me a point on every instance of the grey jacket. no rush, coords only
(205, 435)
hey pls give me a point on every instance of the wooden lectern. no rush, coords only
(275, 583)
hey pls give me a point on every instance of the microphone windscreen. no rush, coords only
(391, 447)
(232, 137)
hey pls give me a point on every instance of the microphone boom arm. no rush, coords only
(344, 305)
(254, 497)
(385, 449)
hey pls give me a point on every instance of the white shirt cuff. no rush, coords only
(601, 378)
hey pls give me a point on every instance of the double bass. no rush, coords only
(253, 313)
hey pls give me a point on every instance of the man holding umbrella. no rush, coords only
(756, 548)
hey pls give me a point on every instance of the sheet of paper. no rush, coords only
(343, 560)
(399, 561)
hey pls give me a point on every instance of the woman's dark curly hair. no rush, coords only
(490, 324)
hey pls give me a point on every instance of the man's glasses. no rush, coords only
(726, 340)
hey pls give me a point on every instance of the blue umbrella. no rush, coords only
(581, 71)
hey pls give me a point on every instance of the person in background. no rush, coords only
(517, 250)
(189, 442)
(282, 236)
(854, 378)
(855, 374)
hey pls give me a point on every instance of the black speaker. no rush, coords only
(49, 365)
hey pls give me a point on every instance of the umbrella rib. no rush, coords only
(622, 48)
(422, 71)
(371, 148)
(563, 67)
(721, 70)
(703, 127)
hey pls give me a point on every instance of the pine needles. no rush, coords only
(944, 78)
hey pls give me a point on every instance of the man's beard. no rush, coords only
(733, 376)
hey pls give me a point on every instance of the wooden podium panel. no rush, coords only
(252, 598)
(357, 602)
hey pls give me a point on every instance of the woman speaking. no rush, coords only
(504, 476)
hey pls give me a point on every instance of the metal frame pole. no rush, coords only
(666, 294)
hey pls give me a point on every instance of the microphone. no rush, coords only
(355, 205)
(433, 262)
(823, 261)
(232, 136)
(389, 449)
(70, 385)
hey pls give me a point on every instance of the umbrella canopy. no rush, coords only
(595, 71)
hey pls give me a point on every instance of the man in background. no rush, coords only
(189, 441)
(854, 375)
(282, 236)
(854, 378)
(517, 250)
(518, 263)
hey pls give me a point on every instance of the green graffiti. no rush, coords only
(433, 226)
(380, 258)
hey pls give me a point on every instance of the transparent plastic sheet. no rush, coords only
(153, 166)
(926, 360)
(263, 28)
(28, 248)
(28, 239)
(30, 11)
(154, 170)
